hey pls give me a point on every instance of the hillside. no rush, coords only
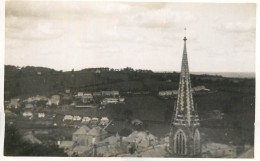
(235, 97)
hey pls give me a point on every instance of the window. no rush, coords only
(196, 142)
(180, 143)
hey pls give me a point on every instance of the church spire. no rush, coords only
(185, 113)
(185, 136)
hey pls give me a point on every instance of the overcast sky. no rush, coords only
(66, 35)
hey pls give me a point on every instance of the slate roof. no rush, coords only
(82, 130)
(96, 131)
(66, 144)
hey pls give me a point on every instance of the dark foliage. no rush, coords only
(15, 146)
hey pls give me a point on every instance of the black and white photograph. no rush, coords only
(129, 79)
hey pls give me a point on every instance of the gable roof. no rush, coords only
(66, 144)
(96, 131)
(82, 130)
(139, 137)
(110, 140)
(32, 139)
(81, 149)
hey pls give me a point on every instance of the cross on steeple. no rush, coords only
(185, 39)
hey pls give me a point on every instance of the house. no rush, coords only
(9, 114)
(97, 94)
(67, 91)
(86, 120)
(80, 94)
(162, 93)
(36, 98)
(76, 118)
(121, 99)
(94, 120)
(136, 122)
(104, 121)
(31, 139)
(67, 145)
(85, 136)
(80, 136)
(217, 150)
(54, 100)
(29, 106)
(14, 103)
(110, 140)
(110, 93)
(175, 92)
(96, 134)
(168, 93)
(80, 150)
(87, 97)
(66, 97)
(68, 117)
(110, 101)
(41, 115)
(141, 138)
(110, 146)
(27, 114)
(199, 88)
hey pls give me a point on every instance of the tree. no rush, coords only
(15, 146)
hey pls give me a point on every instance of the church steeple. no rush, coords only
(185, 136)
(185, 113)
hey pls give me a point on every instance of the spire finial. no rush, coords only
(185, 34)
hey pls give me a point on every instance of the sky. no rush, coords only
(67, 35)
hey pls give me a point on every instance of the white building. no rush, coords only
(67, 91)
(80, 94)
(54, 100)
(41, 115)
(94, 120)
(76, 118)
(110, 93)
(36, 98)
(68, 117)
(87, 97)
(29, 106)
(168, 93)
(86, 120)
(199, 88)
(28, 114)
(96, 94)
(14, 103)
(104, 121)
(112, 100)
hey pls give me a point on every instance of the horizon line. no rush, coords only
(155, 71)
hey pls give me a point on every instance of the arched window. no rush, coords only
(180, 143)
(197, 142)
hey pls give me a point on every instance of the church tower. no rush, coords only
(185, 135)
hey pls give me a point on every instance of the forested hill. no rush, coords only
(38, 80)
